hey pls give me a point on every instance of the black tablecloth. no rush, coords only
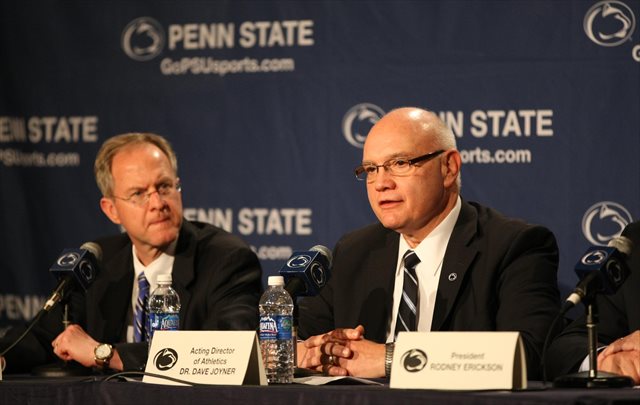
(94, 390)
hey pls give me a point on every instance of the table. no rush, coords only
(94, 390)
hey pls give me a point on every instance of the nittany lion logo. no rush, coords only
(414, 360)
(143, 39)
(604, 221)
(358, 121)
(609, 23)
(165, 359)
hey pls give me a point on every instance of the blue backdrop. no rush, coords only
(267, 104)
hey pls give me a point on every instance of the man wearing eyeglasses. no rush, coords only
(216, 275)
(434, 262)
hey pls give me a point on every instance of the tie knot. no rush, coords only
(411, 259)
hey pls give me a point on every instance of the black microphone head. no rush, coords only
(603, 269)
(79, 264)
(307, 272)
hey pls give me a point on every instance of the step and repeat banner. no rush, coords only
(268, 103)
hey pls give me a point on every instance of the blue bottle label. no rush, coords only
(163, 321)
(276, 327)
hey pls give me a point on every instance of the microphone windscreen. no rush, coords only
(622, 243)
(94, 248)
(325, 251)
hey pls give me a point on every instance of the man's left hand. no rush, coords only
(625, 363)
(629, 342)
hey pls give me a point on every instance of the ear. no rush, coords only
(451, 163)
(109, 208)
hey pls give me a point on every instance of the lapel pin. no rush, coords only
(453, 276)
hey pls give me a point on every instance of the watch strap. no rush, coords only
(388, 358)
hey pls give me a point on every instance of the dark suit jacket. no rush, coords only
(505, 280)
(619, 315)
(216, 275)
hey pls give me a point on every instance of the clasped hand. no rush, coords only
(622, 357)
(342, 352)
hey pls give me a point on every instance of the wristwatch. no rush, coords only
(388, 358)
(103, 354)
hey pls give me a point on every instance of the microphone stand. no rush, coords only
(592, 378)
(298, 372)
(62, 368)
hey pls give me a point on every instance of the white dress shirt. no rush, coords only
(163, 264)
(431, 254)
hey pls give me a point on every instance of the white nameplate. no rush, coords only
(459, 361)
(206, 357)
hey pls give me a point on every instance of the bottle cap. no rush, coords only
(164, 279)
(275, 280)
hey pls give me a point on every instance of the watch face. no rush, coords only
(103, 351)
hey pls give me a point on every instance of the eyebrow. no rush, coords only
(161, 180)
(391, 157)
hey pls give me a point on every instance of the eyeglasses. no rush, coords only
(395, 167)
(164, 190)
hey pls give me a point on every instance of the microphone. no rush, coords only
(307, 272)
(601, 270)
(74, 268)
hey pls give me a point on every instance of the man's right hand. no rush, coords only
(75, 344)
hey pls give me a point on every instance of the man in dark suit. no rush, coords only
(477, 270)
(216, 275)
(618, 328)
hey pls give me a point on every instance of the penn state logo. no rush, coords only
(604, 221)
(414, 360)
(357, 122)
(594, 257)
(609, 23)
(143, 39)
(317, 274)
(298, 261)
(68, 259)
(86, 269)
(165, 359)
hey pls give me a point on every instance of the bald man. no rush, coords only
(472, 269)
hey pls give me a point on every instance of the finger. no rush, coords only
(345, 334)
(339, 350)
(326, 348)
(316, 340)
(614, 347)
(608, 364)
(333, 370)
(314, 357)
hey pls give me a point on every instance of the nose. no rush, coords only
(383, 180)
(156, 200)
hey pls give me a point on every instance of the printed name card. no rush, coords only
(205, 357)
(459, 361)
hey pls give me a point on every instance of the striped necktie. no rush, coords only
(140, 311)
(407, 311)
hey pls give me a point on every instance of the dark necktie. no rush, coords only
(407, 311)
(140, 311)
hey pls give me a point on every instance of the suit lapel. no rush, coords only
(183, 272)
(460, 253)
(381, 262)
(112, 297)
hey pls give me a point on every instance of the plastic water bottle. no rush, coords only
(164, 307)
(276, 339)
